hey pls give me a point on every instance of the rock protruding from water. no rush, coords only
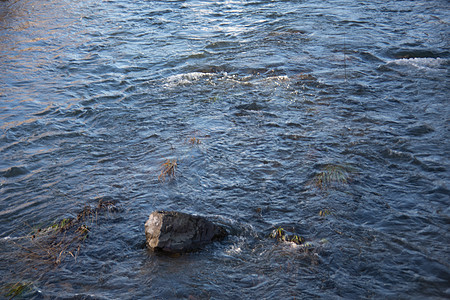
(178, 232)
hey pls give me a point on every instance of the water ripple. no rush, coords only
(328, 119)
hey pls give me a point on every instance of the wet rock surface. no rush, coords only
(177, 232)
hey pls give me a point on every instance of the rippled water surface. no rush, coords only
(329, 119)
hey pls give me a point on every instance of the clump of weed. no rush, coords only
(333, 175)
(281, 236)
(107, 205)
(59, 226)
(324, 212)
(17, 289)
(82, 232)
(194, 141)
(308, 249)
(168, 169)
(53, 243)
(86, 213)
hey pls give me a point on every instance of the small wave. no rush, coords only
(278, 78)
(10, 238)
(420, 62)
(187, 78)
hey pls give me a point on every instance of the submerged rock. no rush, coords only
(177, 232)
(13, 172)
(252, 106)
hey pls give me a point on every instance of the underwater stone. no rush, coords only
(177, 232)
(14, 171)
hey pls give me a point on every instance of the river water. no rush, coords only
(329, 119)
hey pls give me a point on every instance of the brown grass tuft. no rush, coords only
(168, 169)
(52, 244)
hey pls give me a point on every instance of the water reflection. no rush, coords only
(34, 38)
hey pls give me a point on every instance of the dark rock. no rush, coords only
(14, 171)
(420, 130)
(252, 106)
(178, 232)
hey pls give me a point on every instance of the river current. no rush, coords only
(329, 119)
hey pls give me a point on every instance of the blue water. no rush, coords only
(95, 96)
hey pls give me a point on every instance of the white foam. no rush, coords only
(187, 78)
(235, 249)
(278, 78)
(7, 238)
(420, 62)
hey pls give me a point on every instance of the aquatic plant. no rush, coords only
(17, 289)
(324, 212)
(280, 235)
(107, 205)
(86, 212)
(193, 141)
(53, 243)
(333, 175)
(168, 169)
(83, 232)
(63, 225)
(297, 239)
(308, 250)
